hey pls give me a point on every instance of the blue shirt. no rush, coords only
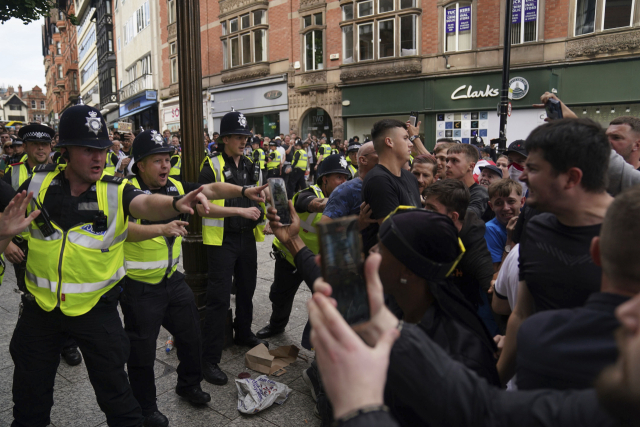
(345, 200)
(496, 237)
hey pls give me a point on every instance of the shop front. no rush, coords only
(141, 111)
(463, 106)
(264, 102)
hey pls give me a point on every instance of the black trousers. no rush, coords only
(237, 258)
(296, 182)
(35, 349)
(286, 281)
(171, 304)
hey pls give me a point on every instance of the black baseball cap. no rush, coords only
(492, 168)
(517, 146)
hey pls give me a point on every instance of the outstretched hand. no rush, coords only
(175, 229)
(190, 200)
(13, 220)
(256, 193)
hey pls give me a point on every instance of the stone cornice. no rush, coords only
(230, 6)
(311, 4)
(379, 70)
(603, 44)
(252, 72)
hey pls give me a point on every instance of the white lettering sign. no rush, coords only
(460, 94)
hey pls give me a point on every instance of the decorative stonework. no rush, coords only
(603, 44)
(310, 4)
(381, 70)
(245, 74)
(174, 89)
(172, 31)
(329, 100)
(228, 6)
(314, 78)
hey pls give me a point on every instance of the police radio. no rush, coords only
(256, 173)
(100, 223)
(43, 221)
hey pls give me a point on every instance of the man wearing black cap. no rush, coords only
(489, 174)
(74, 270)
(299, 165)
(231, 245)
(517, 154)
(155, 293)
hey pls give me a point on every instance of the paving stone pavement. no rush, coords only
(74, 399)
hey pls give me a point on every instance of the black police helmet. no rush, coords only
(37, 133)
(335, 163)
(233, 123)
(147, 143)
(83, 126)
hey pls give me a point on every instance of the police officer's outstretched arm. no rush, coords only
(138, 232)
(224, 190)
(157, 207)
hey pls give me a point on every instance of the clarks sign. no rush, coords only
(461, 93)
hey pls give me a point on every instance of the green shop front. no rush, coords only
(466, 105)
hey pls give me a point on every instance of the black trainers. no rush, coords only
(213, 374)
(156, 420)
(310, 378)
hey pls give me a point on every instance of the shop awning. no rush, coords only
(136, 111)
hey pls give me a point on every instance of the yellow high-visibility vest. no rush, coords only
(324, 150)
(275, 163)
(213, 228)
(150, 260)
(302, 161)
(307, 232)
(19, 174)
(353, 171)
(110, 167)
(72, 269)
(263, 157)
(175, 169)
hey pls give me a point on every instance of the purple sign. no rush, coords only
(451, 20)
(530, 10)
(464, 18)
(516, 11)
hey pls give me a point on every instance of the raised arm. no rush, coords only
(138, 232)
(157, 207)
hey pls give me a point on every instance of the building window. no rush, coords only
(172, 49)
(110, 41)
(242, 42)
(174, 70)
(60, 75)
(457, 27)
(381, 30)
(15, 107)
(113, 80)
(87, 43)
(585, 17)
(617, 14)
(75, 81)
(314, 58)
(33, 104)
(42, 105)
(171, 11)
(89, 69)
(524, 23)
(58, 48)
(118, 44)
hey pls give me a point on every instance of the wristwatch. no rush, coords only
(411, 138)
(175, 199)
(244, 187)
(507, 248)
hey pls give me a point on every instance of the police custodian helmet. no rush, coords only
(335, 163)
(147, 143)
(233, 123)
(83, 126)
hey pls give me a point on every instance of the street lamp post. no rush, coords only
(504, 94)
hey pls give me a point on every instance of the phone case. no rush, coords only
(279, 199)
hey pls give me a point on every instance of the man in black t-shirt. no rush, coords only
(566, 175)
(388, 185)
(461, 160)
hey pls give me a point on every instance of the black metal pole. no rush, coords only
(504, 94)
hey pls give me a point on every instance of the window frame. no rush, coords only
(373, 53)
(312, 28)
(239, 36)
(171, 12)
(378, 22)
(173, 74)
(522, 23)
(444, 26)
(603, 15)
(373, 8)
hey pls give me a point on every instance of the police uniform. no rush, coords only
(274, 161)
(112, 162)
(176, 166)
(231, 251)
(299, 164)
(324, 150)
(156, 295)
(259, 158)
(73, 276)
(286, 278)
(353, 169)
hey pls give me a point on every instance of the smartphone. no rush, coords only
(413, 118)
(279, 199)
(553, 108)
(342, 267)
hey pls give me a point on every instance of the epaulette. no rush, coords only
(47, 167)
(111, 178)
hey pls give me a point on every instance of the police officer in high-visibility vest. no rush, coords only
(74, 270)
(112, 162)
(299, 165)
(309, 204)
(274, 162)
(352, 154)
(231, 245)
(155, 293)
(334, 148)
(259, 157)
(324, 151)
(176, 164)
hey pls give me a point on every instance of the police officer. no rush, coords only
(309, 204)
(155, 293)
(352, 154)
(299, 165)
(259, 157)
(112, 162)
(176, 163)
(74, 269)
(231, 245)
(274, 165)
(18, 151)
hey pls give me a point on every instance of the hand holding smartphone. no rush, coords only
(279, 199)
(553, 108)
(342, 267)
(413, 118)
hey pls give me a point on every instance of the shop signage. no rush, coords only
(516, 11)
(151, 95)
(464, 18)
(460, 92)
(451, 20)
(530, 11)
(519, 86)
(273, 94)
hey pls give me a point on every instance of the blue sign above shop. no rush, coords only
(142, 102)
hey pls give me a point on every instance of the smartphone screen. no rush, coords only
(279, 199)
(342, 267)
(413, 118)
(553, 109)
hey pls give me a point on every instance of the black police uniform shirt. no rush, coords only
(67, 210)
(7, 193)
(305, 197)
(556, 263)
(384, 192)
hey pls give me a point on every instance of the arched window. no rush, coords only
(316, 122)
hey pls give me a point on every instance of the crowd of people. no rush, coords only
(502, 286)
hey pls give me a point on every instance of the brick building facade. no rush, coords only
(335, 66)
